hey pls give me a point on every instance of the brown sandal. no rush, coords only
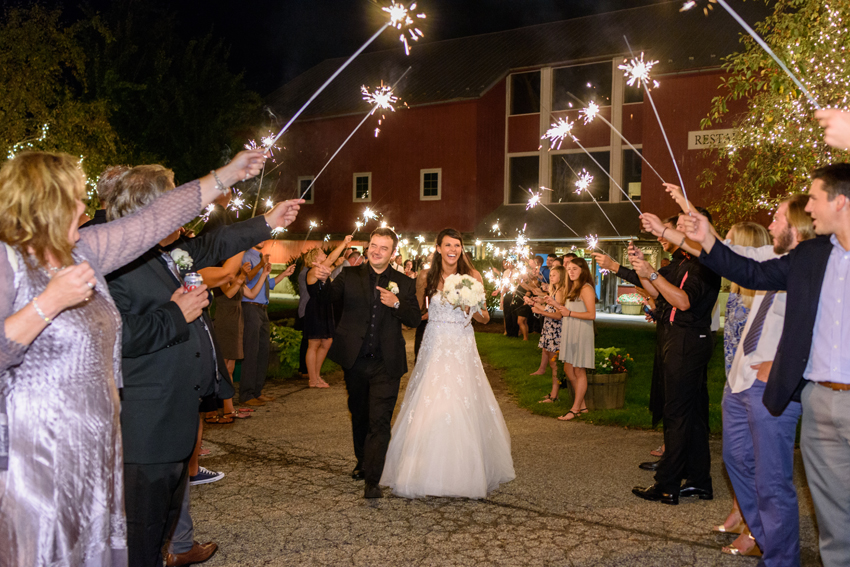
(218, 419)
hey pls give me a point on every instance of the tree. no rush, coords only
(43, 84)
(777, 143)
(174, 100)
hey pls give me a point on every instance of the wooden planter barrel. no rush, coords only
(631, 308)
(606, 391)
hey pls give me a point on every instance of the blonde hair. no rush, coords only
(748, 234)
(563, 282)
(136, 188)
(310, 256)
(38, 204)
(799, 218)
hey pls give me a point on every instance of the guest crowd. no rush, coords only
(111, 363)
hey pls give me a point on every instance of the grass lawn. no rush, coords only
(516, 359)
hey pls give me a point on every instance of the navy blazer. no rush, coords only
(800, 273)
(352, 286)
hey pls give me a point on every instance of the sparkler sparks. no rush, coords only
(533, 201)
(278, 230)
(637, 70)
(381, 97)
(690, 4)
(584, 181)
(269, 203)
(559, 131)
(589, 113)
(592, 241)
(420, 239)
(401, 20)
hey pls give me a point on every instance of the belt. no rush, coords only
(255, 304)
(834, 386)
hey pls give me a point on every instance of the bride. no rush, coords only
(449, 438)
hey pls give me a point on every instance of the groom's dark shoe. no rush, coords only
(358, 474)
(373, 491)
(656, 494)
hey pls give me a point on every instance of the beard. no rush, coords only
(784, 241)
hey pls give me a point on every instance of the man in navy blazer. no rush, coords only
(813, 359)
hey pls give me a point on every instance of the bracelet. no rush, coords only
(221, 188)
(682, 243)
(569, 313)
(41, 314)
(663, 231)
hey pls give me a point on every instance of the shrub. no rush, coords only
(288, 342)
(631, 299)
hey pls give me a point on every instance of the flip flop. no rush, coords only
(565, 418)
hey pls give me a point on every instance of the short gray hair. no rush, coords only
(107, 180)
(137, 188)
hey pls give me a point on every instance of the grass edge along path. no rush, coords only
(516, 359)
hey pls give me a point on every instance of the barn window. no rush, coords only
(430, 184)
(362, 187)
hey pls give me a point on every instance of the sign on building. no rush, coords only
(704, 139)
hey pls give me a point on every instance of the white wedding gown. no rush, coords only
(449, 438)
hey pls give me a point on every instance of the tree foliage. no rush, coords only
(777, 142)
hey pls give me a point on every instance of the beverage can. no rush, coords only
(192, 281)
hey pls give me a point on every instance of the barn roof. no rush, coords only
(466, 68)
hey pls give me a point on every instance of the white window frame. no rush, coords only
(439, 195)
(354, 177)
(313, 190)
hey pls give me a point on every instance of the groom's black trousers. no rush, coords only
(372, 395)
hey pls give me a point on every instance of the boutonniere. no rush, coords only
(393, 287)
(182, 259)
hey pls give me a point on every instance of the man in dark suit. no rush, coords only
(169, 358)
(812, 363)
(369, 346)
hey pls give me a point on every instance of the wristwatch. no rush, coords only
(396, 304)
(653, 276)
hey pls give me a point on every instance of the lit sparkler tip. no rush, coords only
(478, 243)
(690, 4)
(269, 203)
(592, 241)
(401, 19)
(637, 70)
(381, 97)
(313, 225)
(559, 131)
(278, 230)
(590, 112)
(584, 181)
(369, 214)
(533, 201)
(326, 238)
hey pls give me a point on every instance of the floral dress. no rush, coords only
(550, 338)
(733, 328)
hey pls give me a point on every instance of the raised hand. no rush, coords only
(696, 227)
(635, 252)
(652, 224)
(191, 303)
(836, 124)
(643, 268)
(676, 192)
(70, 286)
(244, 165)
(288, 271)
(283, 213)
(606, 262)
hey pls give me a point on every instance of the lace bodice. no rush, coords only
(441, 311)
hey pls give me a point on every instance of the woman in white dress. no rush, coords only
(577, 341)
(449, 438)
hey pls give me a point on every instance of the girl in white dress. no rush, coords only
(577, 341)
(449, 438)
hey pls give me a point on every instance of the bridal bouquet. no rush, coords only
(464, 292)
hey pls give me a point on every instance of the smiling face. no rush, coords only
(380, 252)
(450, 249)
(667, 246)
(573, 271)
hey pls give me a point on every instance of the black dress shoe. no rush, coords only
(649, 465)
(358, 474)
(655, 494)
(373, 491)
(703, 493)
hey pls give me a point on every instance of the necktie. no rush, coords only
(267, 289)
(753, 336)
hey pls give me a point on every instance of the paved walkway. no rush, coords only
(288, 498)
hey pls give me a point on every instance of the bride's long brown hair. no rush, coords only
(436, 269)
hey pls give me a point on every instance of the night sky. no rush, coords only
(273, 42)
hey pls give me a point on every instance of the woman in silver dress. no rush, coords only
(61, 487)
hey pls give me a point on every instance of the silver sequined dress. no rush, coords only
(62, 497)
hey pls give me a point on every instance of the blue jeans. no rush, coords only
(758, 451)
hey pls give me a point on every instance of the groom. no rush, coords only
(369, 346)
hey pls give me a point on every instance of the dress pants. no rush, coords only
(183, 537)
(372, 395)
(758, 451)
(825, 444)
(687, 351)
(255, 346)
(153, 496)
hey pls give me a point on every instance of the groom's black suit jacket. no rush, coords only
(352, 286)
(166, 361)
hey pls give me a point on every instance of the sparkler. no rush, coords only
(691, 4)
(583, 184)
(637, 70)
(268, 144)
(399, 16)
(590, 113)
(313, 225)
(277, 231)
(592, 241)
(558, 132)
(608, 174)
(237, 203)
(535, 200)
(385, 97)
(642, 75)
(269, 203)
